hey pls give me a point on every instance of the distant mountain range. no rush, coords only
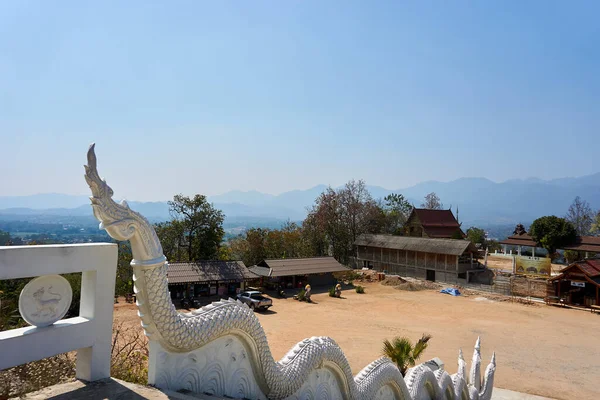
(479, 201)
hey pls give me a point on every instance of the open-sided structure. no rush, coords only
(297, 272)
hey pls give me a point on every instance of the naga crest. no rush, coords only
(120, 221)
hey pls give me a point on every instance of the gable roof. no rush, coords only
(590, 267)
(297, 266)
(455, 247)
(208, 271)
(523, 239)
(435, 218)
(436, 223)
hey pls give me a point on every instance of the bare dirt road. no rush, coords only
(540, 349)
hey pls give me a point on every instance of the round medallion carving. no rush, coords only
(45, 300)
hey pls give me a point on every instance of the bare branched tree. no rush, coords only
(581, 216)
(432, 202)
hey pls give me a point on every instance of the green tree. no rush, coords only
(397, 210)
(595, 228)
(571, 256)
(172, 239)
(580, 215)
(432, 202)
(200, 224)
(552, 233)
(4, 238)
(402, 352)
(476, 235)
(124, 279)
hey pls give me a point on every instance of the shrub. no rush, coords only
(129, 355)
(301, 295)
(360, 289)
(332, 292)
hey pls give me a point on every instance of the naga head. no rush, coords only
(121, 222)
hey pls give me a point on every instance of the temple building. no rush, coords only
(432, 224)
(587, 245)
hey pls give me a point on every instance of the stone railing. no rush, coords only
(222, 349)
(45, 300)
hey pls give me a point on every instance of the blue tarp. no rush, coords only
(451, 291)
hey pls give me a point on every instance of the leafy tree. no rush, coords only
(476, 235)
(260, 243)
(580, 215)
(171, 235)
(397, 210)
(4, 238)
(595, 228)
(124, 280)
(196, 227)
(571, 256)
(402, 352)
(552, 233)
(432, 202)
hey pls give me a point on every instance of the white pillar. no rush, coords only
(519, 250)
(533, 251)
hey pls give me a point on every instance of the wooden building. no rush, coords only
(446, 260)
(432, 224)
(206, 278)
(297, 272)
(579, 283)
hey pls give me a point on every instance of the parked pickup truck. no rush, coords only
(255, 300)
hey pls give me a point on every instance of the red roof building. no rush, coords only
(433, 224)
(579, 283)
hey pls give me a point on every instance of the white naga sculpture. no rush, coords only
(221, 349)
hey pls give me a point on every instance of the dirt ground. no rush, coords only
(540, 349)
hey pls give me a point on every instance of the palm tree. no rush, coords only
(403, 353)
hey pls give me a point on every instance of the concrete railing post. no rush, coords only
(90, 333)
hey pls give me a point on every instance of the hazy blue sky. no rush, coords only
(204, 97)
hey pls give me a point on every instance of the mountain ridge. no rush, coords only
(479, 200)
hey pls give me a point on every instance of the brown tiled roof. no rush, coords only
(441, 232)
(586, 243)
(520, 240)
(582, 243)
(297, 266)
(436, 218)
(426, 245)
(208, 271)
(590, 267)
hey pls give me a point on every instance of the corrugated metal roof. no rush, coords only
(298, 266)
(260, 271)
(454, 247)
(207, 271)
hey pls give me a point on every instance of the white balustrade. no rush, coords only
(89, 333)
